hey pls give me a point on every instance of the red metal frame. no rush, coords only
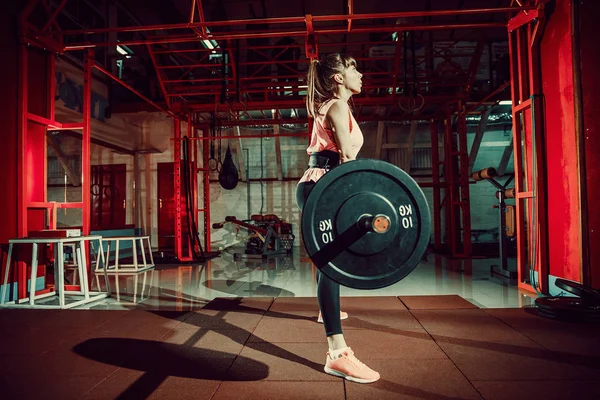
(86, 162)
(51, 124)
(206, 186)
(464, 202)
(302, 20)
(527, 142)
(456, 183)
(177, 183)
(21, 186)
(437, 186)
(302, 26)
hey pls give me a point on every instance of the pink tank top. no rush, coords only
(322, 138)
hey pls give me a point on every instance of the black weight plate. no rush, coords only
(547, 314)
(345, 253)
(585, 292)
(561, 315)
(564, 304)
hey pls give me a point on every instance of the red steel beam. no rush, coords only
(365, 118)
(50, 123)
(201, 16)
(22, 177)
(72, 126)
(474, 66)
(177, 187)
(26, 12)
(521, 19)
(206, 187)
(52, 18)
(51, 85)
(488, 97)
(265, 47)
(301, 20)
(299, 102)
(283, 33)
(196, 80)
(54, 204)
(463, 183)
(86, 168)
(212, 90)
(192, 11)
(192, 60)
(350, 14)
(192, 132)
(435, 174)
(231, 65)
(47, 7)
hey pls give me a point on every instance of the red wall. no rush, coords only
(564, 229)
(589, 11)
(8, 134)
(35, 165)
(8, 107)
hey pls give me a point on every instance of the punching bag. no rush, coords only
(228, 177)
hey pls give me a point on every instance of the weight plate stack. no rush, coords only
(586, 293)
(568, 309)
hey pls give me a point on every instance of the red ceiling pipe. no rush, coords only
(300, 20)
(270, 34)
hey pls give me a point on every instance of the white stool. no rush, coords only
(73, 265)
(59, 272)
(135, 267)
(144, 293)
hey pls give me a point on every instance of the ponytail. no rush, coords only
(312, 81)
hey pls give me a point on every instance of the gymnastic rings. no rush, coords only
(237, 108)
(222, 110)
(233, 110)
(419, 102)
(213, 164)
(411, 104)
(406, 103)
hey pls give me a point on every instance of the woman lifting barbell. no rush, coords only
(335, 138)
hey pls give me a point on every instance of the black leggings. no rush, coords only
(328, 291)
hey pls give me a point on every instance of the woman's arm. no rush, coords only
(339, 121)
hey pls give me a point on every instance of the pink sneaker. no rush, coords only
(343, 315)
(349, 367)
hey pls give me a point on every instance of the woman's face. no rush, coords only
(353, 79)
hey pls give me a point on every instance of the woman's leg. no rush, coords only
(328, 295)
(340, 358)
(328, 291)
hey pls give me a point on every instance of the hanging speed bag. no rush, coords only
(228, 177)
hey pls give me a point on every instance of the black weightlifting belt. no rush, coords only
(324, 159)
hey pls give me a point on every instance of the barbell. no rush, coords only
(366, 224)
